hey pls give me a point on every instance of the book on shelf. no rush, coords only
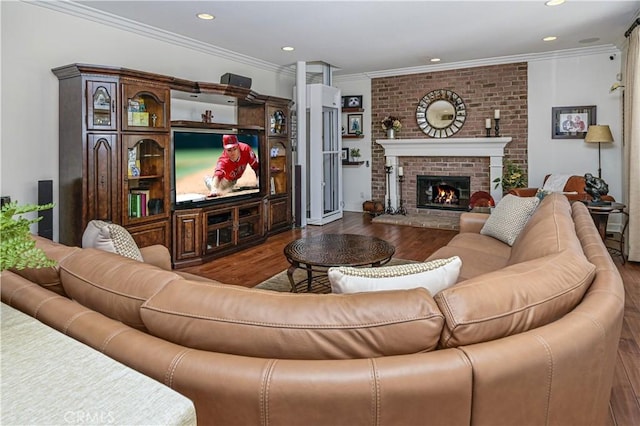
(134, 205)
(142, 197)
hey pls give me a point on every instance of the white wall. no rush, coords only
(36, 39)
(357, 179)
(574, 81)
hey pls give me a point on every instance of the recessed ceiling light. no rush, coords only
(589, 40)
(435, 59)
(288, 49)
(550, 38)
(205, 16)
(554, 2)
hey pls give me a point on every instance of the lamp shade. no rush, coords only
(599, 134)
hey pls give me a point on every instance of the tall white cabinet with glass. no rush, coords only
(324, 171)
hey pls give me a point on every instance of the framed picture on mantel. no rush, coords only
(572, 122)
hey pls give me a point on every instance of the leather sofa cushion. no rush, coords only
(550, 230)
(112, 284)
(267, 324)
(475, 260)
(515, 299)
(48, 277)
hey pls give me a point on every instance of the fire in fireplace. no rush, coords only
(443, 192)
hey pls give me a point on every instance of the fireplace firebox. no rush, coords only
(443, 192)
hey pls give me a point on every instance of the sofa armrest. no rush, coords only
(472, 222)
(523, 192)
(157, 255)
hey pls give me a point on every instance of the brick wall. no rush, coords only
(483, 89)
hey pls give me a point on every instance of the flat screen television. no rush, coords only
(195, 154)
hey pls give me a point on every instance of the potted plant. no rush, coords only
(17, 248)
(392, 125)
(512, 177)
(355, 153)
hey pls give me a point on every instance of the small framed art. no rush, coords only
(354, 124)
(352, 101)
(572, 122)
(345, 154)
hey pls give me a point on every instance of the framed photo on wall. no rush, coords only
(354, 124)
(352, 101)
(572, 122)
(345, 154)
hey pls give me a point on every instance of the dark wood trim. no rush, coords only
(632, 27)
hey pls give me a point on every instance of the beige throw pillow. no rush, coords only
(509, 217)
(112, 238)
(435, 276)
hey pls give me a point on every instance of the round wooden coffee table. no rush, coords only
(318, 254)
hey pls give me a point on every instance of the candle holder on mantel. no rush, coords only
(401, 210)
(387, 170)
(497, 128)
(488, 132)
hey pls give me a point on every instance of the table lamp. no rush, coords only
(600, 134)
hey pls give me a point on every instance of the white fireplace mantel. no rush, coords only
(449, 147)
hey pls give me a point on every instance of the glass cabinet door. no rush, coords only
(277, 122)
(146, 183)
(145, 108)
(278, 168)
(101, 105)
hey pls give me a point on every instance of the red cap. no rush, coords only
(229, 141)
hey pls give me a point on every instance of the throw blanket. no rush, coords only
(556, 183)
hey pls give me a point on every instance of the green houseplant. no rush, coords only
(17, 248)
(355, 153)
(512, 177)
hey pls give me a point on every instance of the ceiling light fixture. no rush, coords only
(550, 38)
(554, 2)
(288, 49)
(205, 16)
(435, 59)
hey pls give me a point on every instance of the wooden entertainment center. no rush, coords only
(116, 160)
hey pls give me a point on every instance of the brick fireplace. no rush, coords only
(420, 157)
(443, 192)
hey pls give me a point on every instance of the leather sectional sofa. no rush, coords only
(528, 335)
(574, 190)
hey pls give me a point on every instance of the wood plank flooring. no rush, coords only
(254, 265)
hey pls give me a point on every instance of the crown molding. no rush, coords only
(81, 11)
(530, 57)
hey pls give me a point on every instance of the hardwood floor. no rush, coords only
(252, 266)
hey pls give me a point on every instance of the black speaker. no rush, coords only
(5, 199)
(45, 196)
(236, 80)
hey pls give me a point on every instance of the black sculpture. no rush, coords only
(596, 187)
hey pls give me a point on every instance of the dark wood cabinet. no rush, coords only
(103, 201)
(96, 139)
(116, 160)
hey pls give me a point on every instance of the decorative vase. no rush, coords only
(391, 133)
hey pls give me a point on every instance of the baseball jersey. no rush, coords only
(230, 170)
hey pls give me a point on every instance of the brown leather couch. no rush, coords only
(528, 335)
(573, 190)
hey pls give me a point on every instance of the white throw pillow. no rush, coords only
(509, 217)
(112, 238)
(435, 276)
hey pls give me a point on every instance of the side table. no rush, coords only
(600, 215)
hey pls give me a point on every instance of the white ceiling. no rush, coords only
(369, 36)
